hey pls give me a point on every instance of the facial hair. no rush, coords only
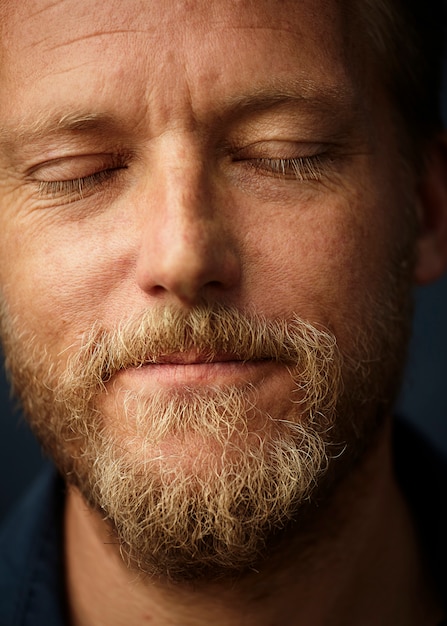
(247, 471)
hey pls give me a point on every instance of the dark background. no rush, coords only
(423, 399)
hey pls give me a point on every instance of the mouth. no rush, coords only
(180, 369)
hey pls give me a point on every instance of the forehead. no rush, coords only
(46, 23)
(170, 51)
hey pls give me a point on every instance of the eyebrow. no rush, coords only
(54, 123)
(308, 96)
(338, 111)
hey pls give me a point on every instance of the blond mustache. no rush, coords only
(209, 332)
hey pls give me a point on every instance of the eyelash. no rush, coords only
(78, 187)
(298, 168)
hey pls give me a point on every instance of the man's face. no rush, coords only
(170, 158)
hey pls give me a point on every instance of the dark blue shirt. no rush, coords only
(32, 584)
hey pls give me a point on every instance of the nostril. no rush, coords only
(158, 290)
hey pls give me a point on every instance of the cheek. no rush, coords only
(61, 280)
(323, 264)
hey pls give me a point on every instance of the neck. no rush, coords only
(360, 561)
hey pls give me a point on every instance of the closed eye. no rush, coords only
(78, 188)
(298, 168)
(288, 160)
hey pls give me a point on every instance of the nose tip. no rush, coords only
(188, 267)
(187, 255)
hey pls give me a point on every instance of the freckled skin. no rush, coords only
(182, 200)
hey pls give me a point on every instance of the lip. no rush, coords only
(178, 370)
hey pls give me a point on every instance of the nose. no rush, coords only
(186, 251)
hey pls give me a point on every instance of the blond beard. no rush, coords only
(214, 512)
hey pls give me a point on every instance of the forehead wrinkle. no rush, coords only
(8, 12)
(123, 31)
(149, 32)
(46, 8)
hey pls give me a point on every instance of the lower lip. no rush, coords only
(196, 374)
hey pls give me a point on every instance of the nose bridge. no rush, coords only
(186, 247)
(188, 199)
(189, 228)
